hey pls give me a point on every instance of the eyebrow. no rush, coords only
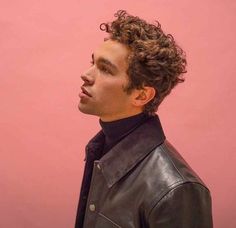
(107, 62)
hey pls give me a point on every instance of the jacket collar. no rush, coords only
(126, 154)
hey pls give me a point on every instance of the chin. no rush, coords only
(82, 108)
(86, 110)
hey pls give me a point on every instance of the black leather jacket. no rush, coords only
(143, 182)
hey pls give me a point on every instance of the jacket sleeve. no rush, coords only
(186, 206)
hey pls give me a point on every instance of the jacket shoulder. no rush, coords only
(167, 170)
(177, 166)
(170, 173)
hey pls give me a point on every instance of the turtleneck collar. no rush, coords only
(114, 131)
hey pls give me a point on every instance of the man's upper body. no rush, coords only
(142, 181)
(133, 176)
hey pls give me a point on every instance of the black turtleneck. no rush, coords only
(116, 130)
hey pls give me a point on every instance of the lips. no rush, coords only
(85, 92)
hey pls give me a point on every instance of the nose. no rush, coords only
(88, 79)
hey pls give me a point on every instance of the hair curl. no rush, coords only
(155, 59)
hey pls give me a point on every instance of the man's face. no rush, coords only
(102, 93)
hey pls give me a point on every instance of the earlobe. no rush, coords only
(143, 96)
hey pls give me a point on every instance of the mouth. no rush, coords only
(84, 92)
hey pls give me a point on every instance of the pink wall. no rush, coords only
(45, 45)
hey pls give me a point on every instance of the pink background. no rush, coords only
(44, 47)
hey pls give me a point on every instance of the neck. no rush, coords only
(116, 130)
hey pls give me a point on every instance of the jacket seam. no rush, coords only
(161, 146)
(102, 215)
(172, 189)
(165, 192)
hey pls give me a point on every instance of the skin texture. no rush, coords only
(103, 93)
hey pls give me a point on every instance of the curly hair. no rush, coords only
(155, 59)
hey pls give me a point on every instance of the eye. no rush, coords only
(105, 70)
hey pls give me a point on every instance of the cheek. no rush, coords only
(115, 92)
(111, 87)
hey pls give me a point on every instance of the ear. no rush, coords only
(143, 96)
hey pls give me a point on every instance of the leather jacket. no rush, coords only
(143, 182)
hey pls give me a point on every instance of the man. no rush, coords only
(133, 176)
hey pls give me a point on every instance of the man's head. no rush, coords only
(154, 60)
(132, 71)
(103, 92)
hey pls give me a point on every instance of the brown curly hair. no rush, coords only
(155, 59)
